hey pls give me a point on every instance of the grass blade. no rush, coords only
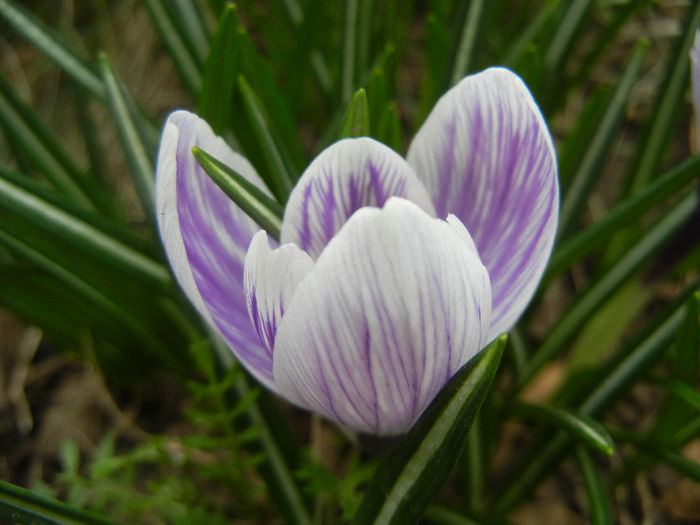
(348, 74)
(566, 30)
(466, 49)
(22, 124)
(576, 316)
(599, 509)
(83, 236)
(44, 39)
(590, 162)
(186, 65)
(279, 168)
(623, 214)
(20, 505)
(140, 165)
(650, 151)
(216, 96)
(583, 428)
(259, 207)
(356, 120)
(662, 452)
(611, 383)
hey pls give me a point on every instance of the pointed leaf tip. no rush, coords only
(259, 207)
(356, 120)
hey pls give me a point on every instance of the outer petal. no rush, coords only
(695, 81)
(206, 236)
(395, 304)
(346, 176)
(486, 155)
(270, 278)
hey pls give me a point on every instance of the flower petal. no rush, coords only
(395, 305)
(270, 278)
(345, 177)
(486, 155)
(206, 236)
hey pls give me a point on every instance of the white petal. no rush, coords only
(485, 154)
(395, 305)
(270, 277)
(206, 235)
(345, 177)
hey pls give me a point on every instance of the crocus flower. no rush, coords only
(390, 273)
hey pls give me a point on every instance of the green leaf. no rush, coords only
(188, 17)
(389, 127)
(98, 299)
(566, 29)
(220, 73)
(45, 40)
(679, 389)
(659, 129)
(20, 505)
(348, 67)
(356, 120)
(466, 49)
(606, 386)
(525, 40)
(611, 281)
(665, 453)
(262, 209)
(585, 429)
(140, 165)
(409, 477)
(599, 509)
(83, 236)
(590, 162)
(185, 62)
(621, 215)
(28, 133)
(279, 168)
(274, 468)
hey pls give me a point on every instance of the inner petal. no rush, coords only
(348, 175)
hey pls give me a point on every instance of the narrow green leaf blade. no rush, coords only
(588, 431)
(140, 165)
(665, 453)
(650, 150)
(621, 215)
(186, 64)
(466, 49)
(23, 125)
(20, 505)
(589, 164)
(407, 480)
(83, 236)
(259, 207)
(356, 120)
(44, 39)
(389, 127)
(278, 164)
(216, 96)
(576, 316)
(599, 509)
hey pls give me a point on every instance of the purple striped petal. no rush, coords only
(270, 278)
(395, 304)
(695, 81)
(206, 236)
(485, 154)
(345, 177)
